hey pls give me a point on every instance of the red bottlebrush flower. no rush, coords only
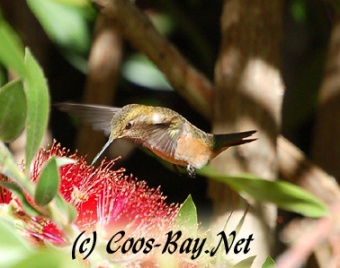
(105, 199)
(39, 229)
(5, 195)
(105, 196)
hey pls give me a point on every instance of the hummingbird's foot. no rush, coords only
(176, 170)
(191, 171)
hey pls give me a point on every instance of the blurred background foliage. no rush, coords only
(59, 34)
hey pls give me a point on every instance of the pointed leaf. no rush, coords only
(47, 184)
(28, 208)
(269, 263)
(71, 212)
(187, 214)
(246, 263)
(10, 169)
(241, 222)
(37, 106)
(12, 110)
(285, 195)
(65, 208)
(11, 49)
(62, 161)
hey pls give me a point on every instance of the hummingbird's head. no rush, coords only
(124, 121)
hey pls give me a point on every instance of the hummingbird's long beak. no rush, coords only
(107, 144)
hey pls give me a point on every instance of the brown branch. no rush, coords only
(135, 26)
(296, 168)
(104, 64)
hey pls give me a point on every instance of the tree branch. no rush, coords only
(135, 26)
(296, 168)
(104, 64)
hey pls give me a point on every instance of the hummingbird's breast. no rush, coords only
(192, 149)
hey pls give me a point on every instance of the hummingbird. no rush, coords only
(162, 130)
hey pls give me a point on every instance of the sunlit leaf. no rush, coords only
(37, 106)
(51, 258)
(65, 208)
(65, 24)
(47, 184)
(13, 247)
(187, 214)
(241, 222)
(10, 169)
(76, 3)
(285, 195)
(62, 161)
(12, 110)
(72, 212)
(141, 71)
(246, 263)
(268, 263)
(11, 49)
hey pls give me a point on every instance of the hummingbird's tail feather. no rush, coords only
(98, 116)
(223, 141)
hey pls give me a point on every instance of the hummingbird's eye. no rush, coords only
(128, 125)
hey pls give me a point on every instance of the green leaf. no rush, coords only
(246, 263)
(3, 75)
(28, 208)
(12, 110)
(65, 24)
(285, 195)
(268, 263)
(48, 257)
(10, 169)
(13, 247)
(299, 10)
(139, 70)
(66, 208)
(48, 183)
(37, 106)
(187, 214)
(71, 212)
(62, 161)
(11, 49)
(241, 222)
(79, 3)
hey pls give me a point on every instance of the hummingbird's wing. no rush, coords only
(162, 136)
(98, 116)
